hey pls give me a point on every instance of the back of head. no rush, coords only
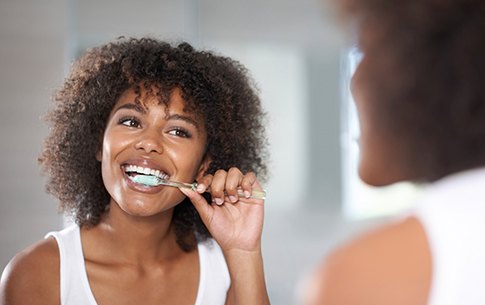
(426, 78)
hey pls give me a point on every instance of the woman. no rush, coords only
(419, 91)
(137, 109)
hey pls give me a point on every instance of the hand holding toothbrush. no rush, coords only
(234, 221)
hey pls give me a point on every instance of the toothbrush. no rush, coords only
(154, 181)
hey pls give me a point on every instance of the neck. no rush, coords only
(136, 239)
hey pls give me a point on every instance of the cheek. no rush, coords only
(106, 171)
(106, 152)
(110, 147)
(113, 143)
(187, 161)
(110, 170)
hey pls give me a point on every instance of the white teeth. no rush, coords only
(145, 171)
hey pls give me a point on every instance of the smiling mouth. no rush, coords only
(133, 171)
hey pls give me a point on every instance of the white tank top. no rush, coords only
(214, 278)
(452, 212)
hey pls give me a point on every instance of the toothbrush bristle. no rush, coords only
(146, 180)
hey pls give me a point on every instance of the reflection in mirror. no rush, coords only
(360, 200)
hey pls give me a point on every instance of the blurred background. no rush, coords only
(296, 53)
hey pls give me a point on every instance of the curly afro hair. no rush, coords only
(215, 87)
(425, 75)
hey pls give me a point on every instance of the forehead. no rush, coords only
(148, 98)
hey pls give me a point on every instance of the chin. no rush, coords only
(378, 177)
(139, 210)
(143, 208)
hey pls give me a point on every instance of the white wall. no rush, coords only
(32, 39)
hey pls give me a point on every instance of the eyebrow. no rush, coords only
(133, 106)
(184, 118)
(174, 116)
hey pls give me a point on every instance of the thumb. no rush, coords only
(205, 210)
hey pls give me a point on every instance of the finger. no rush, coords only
(203, 183)
(249, 182)
(233, 180)
(200, 204)
(217, 186)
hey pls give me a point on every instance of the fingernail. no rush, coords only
(233, 198)
(247, 194)
(200, 188)
(219, 201)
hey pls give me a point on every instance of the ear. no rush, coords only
(204, 166)
(99, 154)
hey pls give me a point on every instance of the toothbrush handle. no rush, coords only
(193, 186)
(254, 194)
(240, 193)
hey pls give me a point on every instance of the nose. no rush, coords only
(150, 141)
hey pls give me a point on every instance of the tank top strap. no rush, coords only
(74, 285)
(214, 274)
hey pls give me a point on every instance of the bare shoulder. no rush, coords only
(32, 276)
(390, 265)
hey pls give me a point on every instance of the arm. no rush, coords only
(247, 279)
(236, 223)
(32, 276)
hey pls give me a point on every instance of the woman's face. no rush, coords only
(381, 154)
(151, 138)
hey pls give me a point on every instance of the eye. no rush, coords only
(130, 122)
(180, 132)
